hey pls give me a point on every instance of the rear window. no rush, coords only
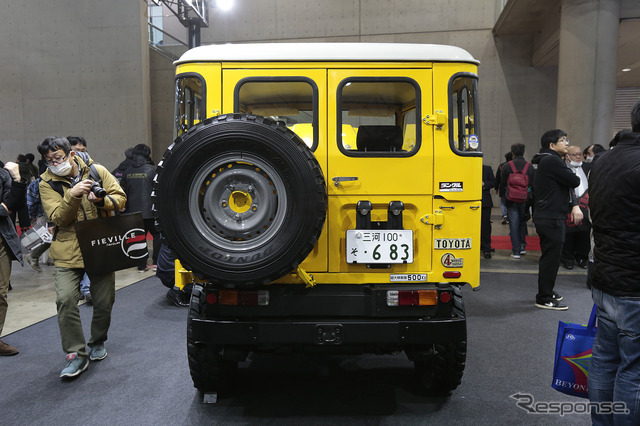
(292, 101)
(189, 107)
(378, 116)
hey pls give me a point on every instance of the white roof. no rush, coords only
(258, 52)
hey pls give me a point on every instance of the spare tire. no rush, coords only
(241, 199)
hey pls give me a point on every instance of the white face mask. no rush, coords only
(61, 169)
(576, 163)
(588, 159)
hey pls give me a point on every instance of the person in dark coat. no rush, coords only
(12, 192)
(500, 190)
(488, 183)
(554, 198)
(137, 182)
(517, 211)
(614, 204)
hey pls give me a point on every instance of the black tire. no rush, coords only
(439, 368)
(210, 372)
(241, 199)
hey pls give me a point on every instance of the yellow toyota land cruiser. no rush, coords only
(326, 198)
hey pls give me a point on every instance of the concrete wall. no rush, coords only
(73, 68)
(517, 100)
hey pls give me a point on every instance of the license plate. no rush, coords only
(392, 246)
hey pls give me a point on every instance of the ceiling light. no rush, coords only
(224, 5)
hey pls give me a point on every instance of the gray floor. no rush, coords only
(145, 379)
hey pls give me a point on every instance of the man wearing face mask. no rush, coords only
(66, 196)
(577, 237)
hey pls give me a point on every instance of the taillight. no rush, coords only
(243, 298)
(417, 297)
(412, 297)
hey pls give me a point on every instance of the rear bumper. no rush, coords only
(329, 332)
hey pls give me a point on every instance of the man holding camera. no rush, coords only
(69, 195)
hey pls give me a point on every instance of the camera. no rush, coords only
(97, 190)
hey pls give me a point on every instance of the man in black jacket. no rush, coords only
(554, 198)
(488, 183)
(614, 203)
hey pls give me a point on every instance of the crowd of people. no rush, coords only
(54, 196)
(585, 206)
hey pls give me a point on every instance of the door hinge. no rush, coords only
(436, 219)
(437, 119)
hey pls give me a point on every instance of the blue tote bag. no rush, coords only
(573, 356)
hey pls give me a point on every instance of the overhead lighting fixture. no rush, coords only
(224, 5)
(626, 69)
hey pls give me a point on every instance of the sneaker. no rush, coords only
(75, 365)
(98, 352)
(35, 265)
(515, 255)
(553, 305)
(7, 350)
(505, 220)
(557, 297)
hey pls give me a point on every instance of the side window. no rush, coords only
(190, 104)
(463, 113)
(378, 116)
(292, 101)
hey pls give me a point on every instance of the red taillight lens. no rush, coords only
(452, 274)
(412, 297)
(244, 298)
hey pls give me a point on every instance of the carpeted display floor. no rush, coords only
(145, 379)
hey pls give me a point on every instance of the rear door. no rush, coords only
(379, 152)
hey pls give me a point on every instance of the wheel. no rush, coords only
(241, 199)
(210, 372)
(439, 368)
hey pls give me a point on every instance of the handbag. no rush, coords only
(112, 243)
(585, 225)
(573, 356)
(34, 237)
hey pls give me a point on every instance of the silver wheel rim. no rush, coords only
(237, 202)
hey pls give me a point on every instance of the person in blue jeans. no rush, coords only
(517, 212)
(614, 204)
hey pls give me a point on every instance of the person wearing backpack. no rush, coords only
(554, 198)
(517, 177)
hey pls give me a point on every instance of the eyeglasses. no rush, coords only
(55, 161)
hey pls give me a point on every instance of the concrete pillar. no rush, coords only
(587, 70)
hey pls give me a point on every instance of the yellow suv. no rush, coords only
(326, 198)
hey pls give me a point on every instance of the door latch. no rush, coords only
(338, 179)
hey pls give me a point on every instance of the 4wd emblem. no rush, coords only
(450, 261)
(451, 187)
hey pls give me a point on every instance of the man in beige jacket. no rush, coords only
(67, 197)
